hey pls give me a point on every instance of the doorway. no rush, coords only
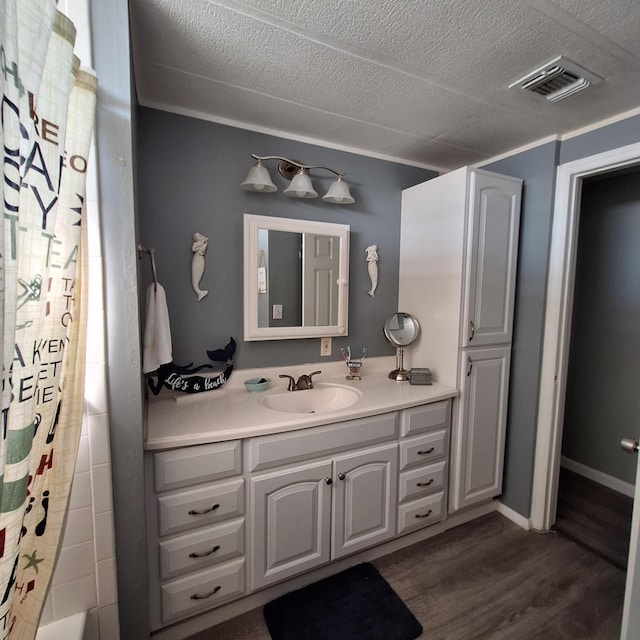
(558, 316)
(603, 372)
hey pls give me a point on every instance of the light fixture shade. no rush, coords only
(301, 186)
(258, 179)
(339, 193)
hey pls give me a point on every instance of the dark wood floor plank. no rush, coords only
(491, 580)
(595, 516)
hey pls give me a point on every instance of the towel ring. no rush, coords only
(152, 255)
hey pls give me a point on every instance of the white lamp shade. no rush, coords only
(258, 179)
(339, 193)
(301, 186)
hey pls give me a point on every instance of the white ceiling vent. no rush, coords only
(557, 79)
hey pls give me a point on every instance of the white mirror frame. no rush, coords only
(254, 222)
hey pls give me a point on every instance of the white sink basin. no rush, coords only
(323, 398)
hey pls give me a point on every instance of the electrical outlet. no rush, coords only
(325, 346)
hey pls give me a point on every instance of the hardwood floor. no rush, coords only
(490, 580)
(595, 516)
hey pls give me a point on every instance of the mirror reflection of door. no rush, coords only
(320, 268)
(285, 278)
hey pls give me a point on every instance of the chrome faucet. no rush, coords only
(304, 381)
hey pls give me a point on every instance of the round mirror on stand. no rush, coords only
(400, 329)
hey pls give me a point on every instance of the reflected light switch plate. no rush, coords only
(277, 312)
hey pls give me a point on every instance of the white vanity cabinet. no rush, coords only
(305, 515)
(458, 254)
(196, 529)
(228, 522)
(424, 465)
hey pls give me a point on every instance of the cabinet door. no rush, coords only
(478, 434)
(291, 522)
(365, 503)
(492, 248)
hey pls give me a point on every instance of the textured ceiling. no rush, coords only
(422, 81)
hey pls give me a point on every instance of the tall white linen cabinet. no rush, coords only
(458, 255)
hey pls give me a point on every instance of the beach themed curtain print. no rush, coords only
(48, 107)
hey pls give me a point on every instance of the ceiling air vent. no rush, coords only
(557, 79)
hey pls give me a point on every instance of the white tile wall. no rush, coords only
(85, 573)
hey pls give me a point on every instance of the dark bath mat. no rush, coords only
(356, 604)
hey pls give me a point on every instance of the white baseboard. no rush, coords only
(514, 516)
(620, 486)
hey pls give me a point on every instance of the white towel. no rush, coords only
(157, 348)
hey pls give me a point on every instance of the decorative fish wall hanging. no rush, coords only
(181, 378)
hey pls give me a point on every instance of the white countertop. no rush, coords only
(230, 412)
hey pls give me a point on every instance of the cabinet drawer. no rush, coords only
(193, 465)
(420, 513)
(202, 590)
(422, 481)
(201, 548)
(283, 448)
(429, 417)
(423, 449)
(196, 507)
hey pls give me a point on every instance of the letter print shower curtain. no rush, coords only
(48, 107)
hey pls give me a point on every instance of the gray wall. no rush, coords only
(538, 167)
(613, 136)
(199, 198)
(603, 376)
(189, 173)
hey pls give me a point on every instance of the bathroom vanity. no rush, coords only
(245, 502)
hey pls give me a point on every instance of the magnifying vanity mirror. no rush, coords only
(295, 278)
(400, 329)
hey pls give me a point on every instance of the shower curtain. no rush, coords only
(47, 116)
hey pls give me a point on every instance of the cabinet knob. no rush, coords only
(328, 480)
(425, 484)
(426, 452)
(469, 366)
(472, 330)
(341, 476)
(424, 515)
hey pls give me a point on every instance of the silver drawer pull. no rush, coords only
(427, 452)
(204, 554)
(424, 515)
(195, 512)
(425, 484)
(204, 596)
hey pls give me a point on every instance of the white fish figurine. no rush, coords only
(199, 248)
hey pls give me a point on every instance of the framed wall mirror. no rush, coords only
(296, 276)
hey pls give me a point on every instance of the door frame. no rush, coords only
(557, 325)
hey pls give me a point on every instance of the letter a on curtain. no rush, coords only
(47, 117)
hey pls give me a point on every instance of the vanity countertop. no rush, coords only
(230, 412)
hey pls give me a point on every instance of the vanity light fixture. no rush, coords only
(259, 180)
